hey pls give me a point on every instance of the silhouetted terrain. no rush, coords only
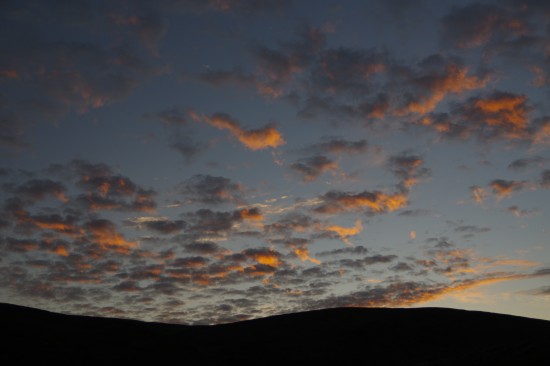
(345, 336)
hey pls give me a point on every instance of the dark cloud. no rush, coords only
(545, 179)
(374, 202)
(415, 213)
(336, 145)
(38, 189)
(241, 6)
(205, 221)
(193, 262)
(279, 66)
(75, 68)
(504, 188)
(105, 235)
(541, 291)
(472, 229)
(345, 70)
(432, 80)
(228, 77)
(498, 115)
(476, 24)
(402, 267)
(204, 248)
(291, 223)
(408, 168)
(526, 163)
(165, 226)
(311, 168)
(357, 250)
(173, 117)
(211, 190)
(360, 263)
(188, 148)
(521, 212)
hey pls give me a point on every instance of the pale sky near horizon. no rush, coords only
(212, 161)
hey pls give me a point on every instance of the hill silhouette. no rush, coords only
(342, 336)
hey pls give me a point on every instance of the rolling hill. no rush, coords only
(342, 336)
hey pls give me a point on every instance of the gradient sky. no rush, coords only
(208, 161)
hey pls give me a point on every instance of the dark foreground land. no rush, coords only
(346, 336)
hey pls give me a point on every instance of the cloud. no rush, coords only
(246, 6)
(311, 168)
(345, 70)
(290, 223)
(336, 145)
(497, 115)
(103, 233)
(478, 194)
(472, 229)
(211, 190)
(38, 189)
(504, 188)
(375, 202)
(277, 67)
(545, 179)
(252, 213)
(476, 24)
(345, 232)
(173, 117)
(264, 256)
(188, 148)
(526, 163)
(205, 223)
(257, 139)
(409, 293)
(302, 253)
(165, 226)
(521, 213)
(103, 188)
(415, 213)
(408, 168)
(63, 225)
(228, 77)
(355, 250)
(437, 79)
(203, 248)
(541, 291)
(360, 263)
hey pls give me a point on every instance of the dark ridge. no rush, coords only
(342, 336)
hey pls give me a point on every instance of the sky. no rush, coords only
(210, 161)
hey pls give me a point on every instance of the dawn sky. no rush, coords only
(208, 161)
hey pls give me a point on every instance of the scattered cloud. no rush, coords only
(254, 139)
(375, 202)
(211, 190)
(311, 168)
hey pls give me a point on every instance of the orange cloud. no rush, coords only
(478, 194)
(9, 73)
(375, 201)
(104, 233)
(504, 110)
(258, 139)
(61, 250)
(542, 135)
(504, 114)
(267, 258)
(345, 232)
(302, 252)
(504, 188)
(251, 214)
(455, 80)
